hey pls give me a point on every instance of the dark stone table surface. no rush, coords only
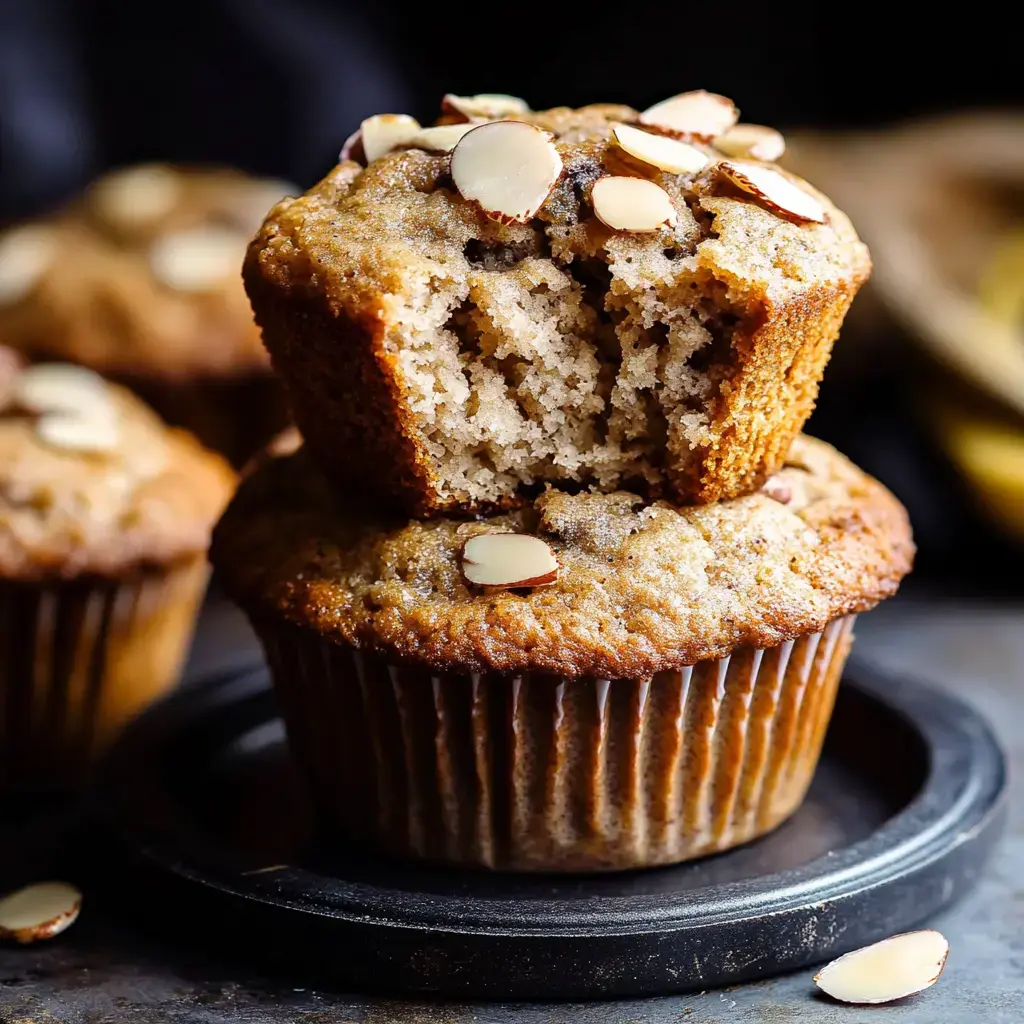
(104, 970)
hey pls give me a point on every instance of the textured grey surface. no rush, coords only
(99, 974)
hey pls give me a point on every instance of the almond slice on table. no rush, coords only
(891, 969)
(94, 435)
(508, 560)
(197, 259)
(632, 204)
(774, 190)
(658, 151)
(753, 141)
(39, 911)
(63, 388)
(698, 115)
(384, 132)
(485, 104)
(25, 255)
(137, 196)
(507, 167)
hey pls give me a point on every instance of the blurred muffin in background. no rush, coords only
(105, 517)
(139, 279)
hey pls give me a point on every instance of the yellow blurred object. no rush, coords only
(989, 453)
(1001, 290)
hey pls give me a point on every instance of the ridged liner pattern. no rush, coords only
(535, 772)
(80, 658)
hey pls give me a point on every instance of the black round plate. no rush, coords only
(904, 808)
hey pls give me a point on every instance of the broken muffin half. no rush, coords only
(597, 297)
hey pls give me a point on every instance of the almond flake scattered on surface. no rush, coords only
(441, 138)
(197, 259)
(632, 204)
(774, 190)
(485, 104)
(888, 970)
(384, 132)
(753, 141)
(698, 115)
(39, 911)
(778, 490)
(136, 197)
(664, 153)
(25, 255)
(352, 148)
(507, 167)
(508, 560)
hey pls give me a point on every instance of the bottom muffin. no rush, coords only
(105, 517)
(623, 685)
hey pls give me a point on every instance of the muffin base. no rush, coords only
(539, 773)
(235, 416)
(79, 659)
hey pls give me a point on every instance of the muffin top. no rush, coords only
(140, 275)
(638, 588)
(398, 230)
(92, 482)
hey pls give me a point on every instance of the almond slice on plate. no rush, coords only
(507, 167)
(508, 560)
(63, 388)
(632, 204)
(25, 255)
(441, 138)
(658, 151)
(197, 259)
(485, 104)
(774, 190)
(891, 969)
(385, 132)
(698, 115)
(136, 197)
(753, 141)
(89, 434)
(39, 911)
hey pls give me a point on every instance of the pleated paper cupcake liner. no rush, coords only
(79, 659)
(534, 772)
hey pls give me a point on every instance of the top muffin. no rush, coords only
(140, 276)
(464, 312)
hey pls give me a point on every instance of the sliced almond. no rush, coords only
(385, 132)
(485, 104)
(198, 259)
(632, 204)
(25, 255)
(658, 151)
(39, 911)
(693, 115)
(89, 434)
(778, 490)
(754, 141)
(508, 560)
(63, 388)
(440, 138)
(891, 969)
(352, 148)
(507, 167)
(136, 197)
(774, 190)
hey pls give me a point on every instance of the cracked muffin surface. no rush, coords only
(454, 363)
(642, 588)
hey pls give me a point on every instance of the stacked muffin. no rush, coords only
(554, 582)
(138, 280)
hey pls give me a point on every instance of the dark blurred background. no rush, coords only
(274, 87)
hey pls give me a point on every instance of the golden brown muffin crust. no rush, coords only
(113, 281)
(149, 501)
(450, 359)
(642, 587)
